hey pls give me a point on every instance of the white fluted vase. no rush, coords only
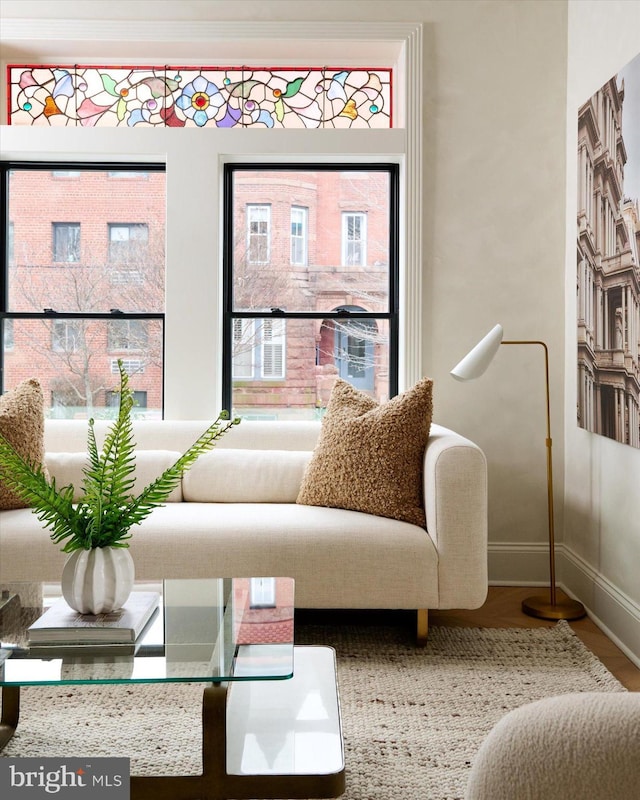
(98, 581)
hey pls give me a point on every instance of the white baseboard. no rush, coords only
(527, 564)
(519, 563)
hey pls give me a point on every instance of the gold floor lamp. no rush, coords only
(472, 366)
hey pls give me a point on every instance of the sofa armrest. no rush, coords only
(455, 496)
(572, 745)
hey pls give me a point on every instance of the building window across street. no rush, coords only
(7, 334)
(127, 243)
(258, 234)
(66, 336)
(66, 242)
(354, 239)
(259, 348)
(112, 399)
(127, 334)
(298, 236)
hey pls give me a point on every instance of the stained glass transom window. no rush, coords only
(223, 97)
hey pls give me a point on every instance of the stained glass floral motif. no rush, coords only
(224, 97)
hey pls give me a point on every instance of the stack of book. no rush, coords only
(61, 629)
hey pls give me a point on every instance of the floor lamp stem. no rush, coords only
(540, 606)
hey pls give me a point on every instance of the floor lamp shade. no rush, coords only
(474, 364)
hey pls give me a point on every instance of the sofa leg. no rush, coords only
(423, 627)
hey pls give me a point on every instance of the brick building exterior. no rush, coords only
(92, 242)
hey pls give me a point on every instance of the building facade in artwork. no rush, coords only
(608, 274)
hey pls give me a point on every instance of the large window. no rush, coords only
(195, 162)
(68, 326)
(318, 307)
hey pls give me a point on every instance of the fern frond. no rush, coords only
(109, 477)
(92, 447)
(54, 507)
(107, 511)
(156, 493)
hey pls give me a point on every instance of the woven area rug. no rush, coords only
(413, 718)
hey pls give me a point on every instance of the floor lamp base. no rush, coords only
(541, 608)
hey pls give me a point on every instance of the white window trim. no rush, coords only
(192, 392)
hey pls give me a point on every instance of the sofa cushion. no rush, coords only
(22, 425)
(68, 469)
(369, 457)
(383, 563)
(246, 476)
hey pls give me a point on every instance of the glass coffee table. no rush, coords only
(260, 692)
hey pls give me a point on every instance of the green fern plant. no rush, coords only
(107, 511)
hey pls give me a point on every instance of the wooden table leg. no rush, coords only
(10, 713)
(212, 783)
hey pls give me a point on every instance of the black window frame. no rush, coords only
(392, 315)
(6, 167)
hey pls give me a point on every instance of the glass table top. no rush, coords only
(209, 630)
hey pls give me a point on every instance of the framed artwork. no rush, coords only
(608, 264)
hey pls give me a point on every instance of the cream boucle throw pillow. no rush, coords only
(369, 457)
(22, 425)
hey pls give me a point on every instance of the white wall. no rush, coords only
(602, 477)
(494, 234)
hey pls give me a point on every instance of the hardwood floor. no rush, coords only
(502, 610)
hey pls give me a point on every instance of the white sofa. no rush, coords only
(235, 514)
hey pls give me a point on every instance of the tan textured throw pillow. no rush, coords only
(369, 457)
(22, 424)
